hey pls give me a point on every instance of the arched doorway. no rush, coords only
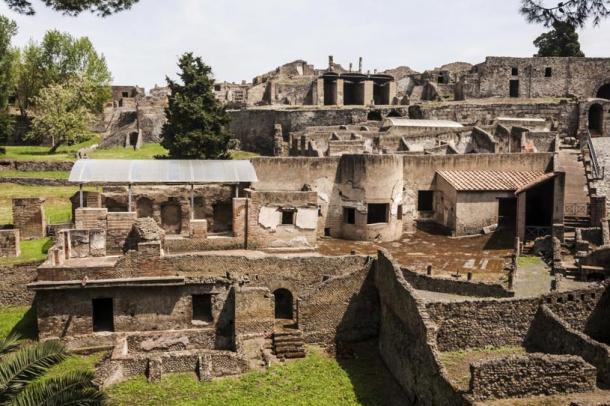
(596, 119)
(604, 92)
(283, 304)
(171, 217)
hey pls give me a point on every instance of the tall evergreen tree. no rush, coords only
(8, 29)
(196, 126)
(562, 40)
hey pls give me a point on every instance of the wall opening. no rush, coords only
(514, 71)
(604, 92)
(514, 88)
(399, 212)
(349, 215)
(223, 217)
(330, 92)
(125, 94)
(507, 212)
(381, 94)
(102, 314)
(374, 115)
(171, 217)
(548, 72)
(596, 119)
(283, 304)
(425, 200)
(539, 205)
(144, 207)
(377, 213)
(288, 216)
(353, 93)
(202, 308)
(114, 206)
(133, 139)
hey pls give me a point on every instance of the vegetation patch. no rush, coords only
(35, 174)
(31, 251)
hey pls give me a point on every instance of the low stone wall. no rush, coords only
(178, 340)
(35, 181)
(9, 243)
(456, 287)
(13, 281)
(406, 339)
(35, 166)
(530, 375)
(552, 335)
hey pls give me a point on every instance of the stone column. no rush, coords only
(339, 91)
(368, 93)
(391, 91)
(318, 98)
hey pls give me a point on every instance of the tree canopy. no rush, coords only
(196, 126)
(562, 40)
(8, 29)
(102, 8)
(574, 12)
(57, 59)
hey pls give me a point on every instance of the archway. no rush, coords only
(283, 304)
(604, 92)
(596, 119)
(144, 207)
(171, 217)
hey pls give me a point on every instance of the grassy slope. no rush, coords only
(31, 251)
(34, 174)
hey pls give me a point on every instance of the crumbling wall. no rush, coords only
(539, 374)
(406, 339)
(13, 281)
(29, 218)
(9, 243)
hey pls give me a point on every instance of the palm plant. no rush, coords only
(22, 383)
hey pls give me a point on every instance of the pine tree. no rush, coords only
(562, 40)
(196, 126)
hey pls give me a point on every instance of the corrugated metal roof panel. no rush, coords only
(490, 180)
(163, 171)
(407, 122)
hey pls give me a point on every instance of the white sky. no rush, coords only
(243, 38)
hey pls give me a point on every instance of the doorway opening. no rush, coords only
(283, 304)
(102, 314)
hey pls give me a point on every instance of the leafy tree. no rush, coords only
(22, 382)
(62, 116)
(102, 8)
(57, 59)
(196, 124)
(8, 29)
(574, 12)
(562, 40)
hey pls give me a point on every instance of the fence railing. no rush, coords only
(597, 172)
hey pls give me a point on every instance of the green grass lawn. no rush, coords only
(315, 380)
(38, 153)
(35, 174)
(17, 319)
(31, 251)
(148, 151)
(57, 205)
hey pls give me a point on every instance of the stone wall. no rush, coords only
(551, 334)
(30, 166)
(253, 311)
(538, 374)
(455, 287)
(9, 243)
(117, 228)
(406, 339)
(29, 218)
(13, 281)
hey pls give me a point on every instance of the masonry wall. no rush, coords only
(475, 210)
(29, 218)
(13, 281)
(406, 340)
(9, 243)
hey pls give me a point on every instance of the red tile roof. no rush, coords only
(489, 180)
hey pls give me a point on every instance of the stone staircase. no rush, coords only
(288, 344)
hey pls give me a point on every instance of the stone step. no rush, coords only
(292, 355)
(287, 333)
(282, 348)
(287, 339)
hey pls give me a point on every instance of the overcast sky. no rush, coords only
(243, 38)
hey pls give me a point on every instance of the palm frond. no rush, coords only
(72, 389)
(22, 367)
(9, 343)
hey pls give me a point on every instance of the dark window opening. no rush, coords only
(381, 94)
(515, 71)
(327, 232)
(440, 80)
(596, 119)
(217, 88)
(223, 217)
(425, 200)
(102, 314)
(604, 92)
(125, 94)
(374, 115)
(514, 88)
(202, 308)
(399, 212)
(353, 93)
(330, 92)
(377, 213)
(548, 72)
(283, 304)
(349, 215)
(287, 217)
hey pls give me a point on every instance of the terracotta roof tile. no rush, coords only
(489, 180)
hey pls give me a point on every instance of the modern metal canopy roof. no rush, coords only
(162, 171)
(407, 122)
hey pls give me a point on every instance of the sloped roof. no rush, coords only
(471, 181)
(407, 122)
(162, 171)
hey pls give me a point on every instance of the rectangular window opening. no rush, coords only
(202, 308)
(515, 71)
(425, 200)
(548, 72)
(399, 212)
(377, 213)
(102, 314)
(287, 217)
(125, 94)
(349, 215)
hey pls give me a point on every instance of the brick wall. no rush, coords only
(28, 217)
(118, 227)
(90, 218)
